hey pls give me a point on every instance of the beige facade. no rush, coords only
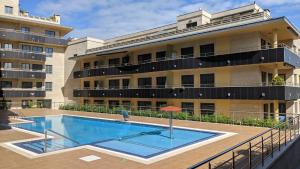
(238, 32)
(34, 45)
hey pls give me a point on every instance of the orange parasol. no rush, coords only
(171, 110)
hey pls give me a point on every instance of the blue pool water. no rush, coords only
(140, 140)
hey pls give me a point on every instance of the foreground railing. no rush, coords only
(255, 151)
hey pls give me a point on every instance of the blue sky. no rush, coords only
(108, 18)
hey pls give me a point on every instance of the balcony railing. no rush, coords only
(259, 92)
(19, 73)
(11, 34)
(20, 92)
(251, 55)
(21, 54)
(262, 15)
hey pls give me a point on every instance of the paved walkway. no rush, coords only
(70, 160)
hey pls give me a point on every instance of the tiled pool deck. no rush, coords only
(70, 160)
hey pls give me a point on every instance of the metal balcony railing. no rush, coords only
(19, 73)
(23, 93)
(202, 55)
(22, 54)
(263, 15)
(12, 34)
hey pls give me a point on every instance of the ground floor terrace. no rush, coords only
(12, 160)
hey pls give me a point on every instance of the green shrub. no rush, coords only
(278, 81)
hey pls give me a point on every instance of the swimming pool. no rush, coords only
(130, 138)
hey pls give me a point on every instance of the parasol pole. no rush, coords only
(171, 125)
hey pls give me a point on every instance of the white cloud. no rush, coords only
(108, 18)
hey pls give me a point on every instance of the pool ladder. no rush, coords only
(56, 133)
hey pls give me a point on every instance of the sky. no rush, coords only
(105, 19)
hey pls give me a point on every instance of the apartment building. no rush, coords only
(32, 51)
(230, 61)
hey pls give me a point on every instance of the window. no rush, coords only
(25, 103)
(49, 69)
(6, 84)
(49, 52)
(188, 107)
(99, 102)
(145, 82)
(27, 85)
(144, 105)
(187, 52)
(86, 101)
(39, 85)
(113, 103)
(9, 10)
(96, 64)
(37, 49)
(86, 65)
(126, 104)
(207, 108)
(125, 60)
(98, 84)
(192, 24)
(125, 83)
(50, 33)
(161, 82)
(114, 62)
(161, 56)
(25, 29)
(266, 111)
(25, 66)
(207, 50)
(37, 67)
(26, 48)
(48, 86)
(86, 85)
(7, 65)
(282, 111)
(264, 78)
(8, 46)
(47, 103)
(114, 84)
(144, 58)
(270, 78)
(263, 44)
(207, 80)
(187, 81)
(160, 104)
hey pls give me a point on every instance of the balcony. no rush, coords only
(229, 93)
(20, 92)
(17, 73)
(22, 55)
(281, 54)
(16, 35)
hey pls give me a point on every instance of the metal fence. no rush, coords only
(254, 152)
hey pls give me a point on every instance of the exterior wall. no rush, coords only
(12, 3)
(57, 77)
(75, 47)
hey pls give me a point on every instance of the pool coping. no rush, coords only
(29, 154)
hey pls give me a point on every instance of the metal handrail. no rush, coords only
(261, 135)
(229, 149)
(46, 138)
